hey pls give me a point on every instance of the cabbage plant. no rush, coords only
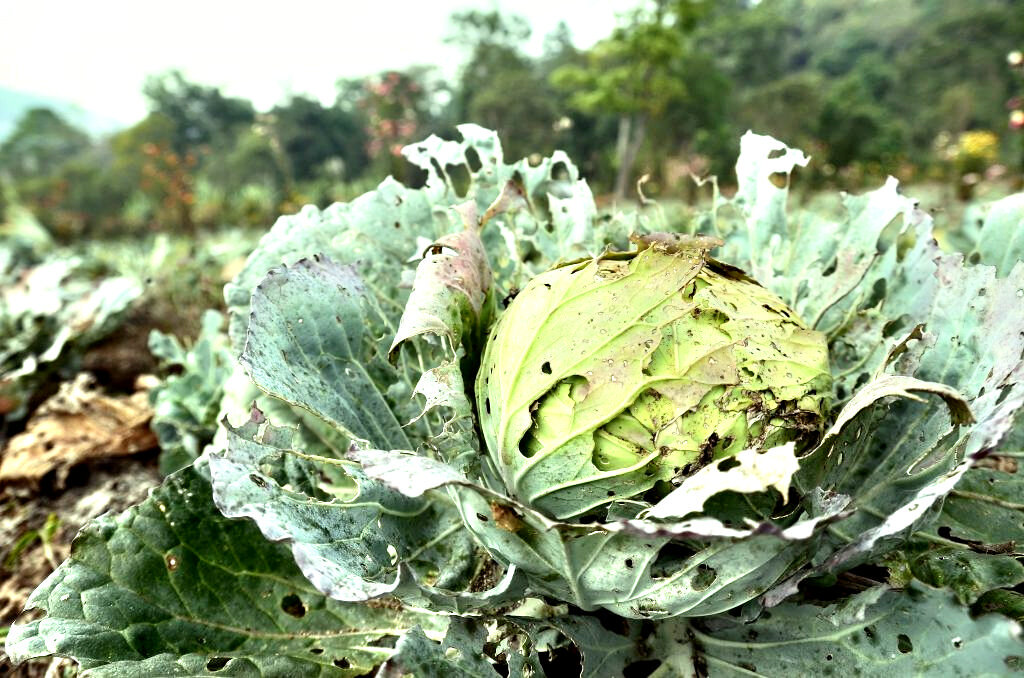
(52, 308)
(496, 432)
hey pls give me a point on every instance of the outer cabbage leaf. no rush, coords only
(1000, 240)
(890, 301)
(172, 587)
(352, 544)
(917, 632)
(967, 573)
(976, 544)
(516, 641)
(460, 654)
(312, 342)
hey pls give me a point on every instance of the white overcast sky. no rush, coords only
(97, 53)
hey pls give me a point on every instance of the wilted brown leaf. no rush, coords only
(77, 425)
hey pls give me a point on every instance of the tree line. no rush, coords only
(915, 87)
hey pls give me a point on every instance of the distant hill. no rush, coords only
(14, 103)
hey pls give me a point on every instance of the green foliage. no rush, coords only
(917, 632)
(652, 73)
(891, 87)
(636, 70)
(186, 405)
(40, 144)
(171, 587)
(51, 310)
(201, 115)
(366, 507)
(315, 138)
(499, 86)
(854, 128)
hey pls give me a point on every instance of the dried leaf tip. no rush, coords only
(512, 196)
(469, 214)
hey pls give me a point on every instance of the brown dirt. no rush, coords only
(121, 357)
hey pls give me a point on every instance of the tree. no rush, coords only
(854, 128)
(146, 162)
(41, 142)
(311, 134)
(202, 115)
(56, 172)
(637, 74)
(396, 108)
(499, 86)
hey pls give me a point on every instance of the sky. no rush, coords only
(97, 54)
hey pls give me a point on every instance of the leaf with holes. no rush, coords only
(645, 459)
(917, 632)
(171, 586)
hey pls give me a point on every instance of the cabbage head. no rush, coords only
(613, 379)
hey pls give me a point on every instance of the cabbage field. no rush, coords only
(486, 428)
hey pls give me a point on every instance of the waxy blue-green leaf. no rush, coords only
(898, 464)
(460, 654)
(976, 544)
(352, 543)
(604, 653)
(986, 509)
(452, 294)
(171, 587)
(1000, 240)
(186, 405)
(309, 344)
(967, 573)
(892, 302)
(348, 233)
(610, 565)
(917, 632)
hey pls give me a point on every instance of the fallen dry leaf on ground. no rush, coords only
(76, 425)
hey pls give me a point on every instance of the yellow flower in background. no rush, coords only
(976, 150)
